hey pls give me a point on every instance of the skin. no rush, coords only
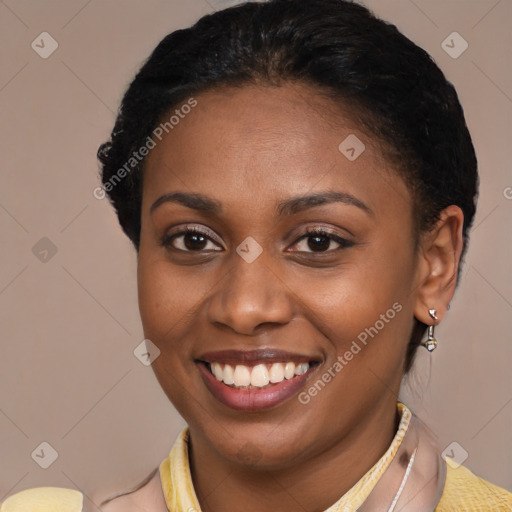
(249, 149)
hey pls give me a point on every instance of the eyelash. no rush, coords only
(322, 232)
(309, 233)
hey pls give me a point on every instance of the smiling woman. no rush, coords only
(298, 233)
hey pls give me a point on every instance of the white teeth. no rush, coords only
(242, 375)
(217, 371)
(258, 376)
(302, 368)
(228, 376)
(276, 373)
(289, 370)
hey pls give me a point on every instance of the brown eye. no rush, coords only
(319, 240)
(194, 241)
(190, 240)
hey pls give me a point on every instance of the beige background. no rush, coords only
(68, 375)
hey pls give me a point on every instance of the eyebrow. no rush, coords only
(290, 206)
(195, 201)
(301, 203)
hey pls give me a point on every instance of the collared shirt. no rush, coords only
(463, 491)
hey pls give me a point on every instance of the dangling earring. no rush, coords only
(431, 343)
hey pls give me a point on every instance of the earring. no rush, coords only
(431, 343)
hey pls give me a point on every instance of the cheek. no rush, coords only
(164, 298)
(364, 293)
(166, 305)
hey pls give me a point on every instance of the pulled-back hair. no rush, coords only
(390, 85)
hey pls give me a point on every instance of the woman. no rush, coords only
(299, 183)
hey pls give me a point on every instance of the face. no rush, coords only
(294, 282)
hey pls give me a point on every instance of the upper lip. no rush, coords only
(267, 355)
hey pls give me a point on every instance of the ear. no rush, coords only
(438, 264)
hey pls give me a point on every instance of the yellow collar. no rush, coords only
(179, 490)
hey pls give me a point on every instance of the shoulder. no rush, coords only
(147, 496)
(466, 492)
(44, 499)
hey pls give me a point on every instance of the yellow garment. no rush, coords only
(463, 491)
(44, 499)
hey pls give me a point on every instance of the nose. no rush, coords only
(250, 296)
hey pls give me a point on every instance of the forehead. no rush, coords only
(254, 144)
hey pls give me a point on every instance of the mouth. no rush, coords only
(255, 380)
(259, 376)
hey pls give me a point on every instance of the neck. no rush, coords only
(313, 484)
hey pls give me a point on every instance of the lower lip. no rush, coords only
(252, 399)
